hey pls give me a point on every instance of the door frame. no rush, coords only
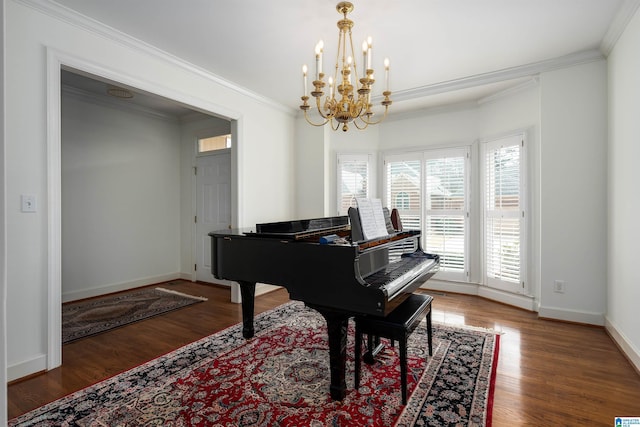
(57, 60)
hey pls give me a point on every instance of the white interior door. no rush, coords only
(213, 206)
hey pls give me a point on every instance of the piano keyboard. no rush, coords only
(396, 275)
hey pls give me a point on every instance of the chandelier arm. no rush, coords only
(355, 123)
(369, 122)
(319, 108)
(306, 117)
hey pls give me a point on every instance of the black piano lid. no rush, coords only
(293, 229)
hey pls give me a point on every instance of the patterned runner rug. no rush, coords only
(281, 378)
(89, 317)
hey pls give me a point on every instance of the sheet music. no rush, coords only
(371, 218)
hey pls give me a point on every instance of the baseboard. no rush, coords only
(28, 367)
(455, 287)
(525, 302)
(626, 346)
(521, 301)
(575, 316)
(261, 288)
(117, 287)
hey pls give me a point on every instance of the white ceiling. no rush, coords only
(441, 51)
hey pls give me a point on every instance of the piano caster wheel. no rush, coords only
(368, 358)
(374, 347)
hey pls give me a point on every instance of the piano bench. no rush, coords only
(397, 326)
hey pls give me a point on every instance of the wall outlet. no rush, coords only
(28, 203)
(558, 286)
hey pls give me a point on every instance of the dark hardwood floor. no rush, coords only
(549, 373)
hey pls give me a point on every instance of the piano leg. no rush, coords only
(337, 324)
(248, 293)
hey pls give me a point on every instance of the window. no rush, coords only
(403, 189)
(504, 213)
(432, 191)
(214, 143)
(446, 210)
(353, 180)
(436, 204)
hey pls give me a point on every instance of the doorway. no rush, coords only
(56, 64)
(125, 176)
(213, 205)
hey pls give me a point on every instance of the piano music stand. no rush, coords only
(398, 325)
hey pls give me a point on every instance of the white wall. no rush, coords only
(573, 104)
(120, 198)
(624, 197)
(311, 162)
(517, 108)
(266, 167)
(448, 126)
(265, 135)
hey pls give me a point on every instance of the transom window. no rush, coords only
(214, 143)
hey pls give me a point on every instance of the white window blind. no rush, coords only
(430, 191)
(504, 214)
(446, 210)
(353, 180)
(403, 190)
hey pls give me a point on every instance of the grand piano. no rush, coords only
(329, 265)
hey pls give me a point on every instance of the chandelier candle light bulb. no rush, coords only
(319, 47)
(354, 103)
(304, 79)
(386, 74)
(365, 61)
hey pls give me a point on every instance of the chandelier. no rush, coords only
(345, 103)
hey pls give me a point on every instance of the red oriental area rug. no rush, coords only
(281, 378)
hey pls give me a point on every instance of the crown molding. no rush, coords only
(65, 14)
(532, 82)
(431, 111)
(619, 23)
(526, 70)
(464, 105)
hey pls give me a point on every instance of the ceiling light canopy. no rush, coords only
(119, 92)
(349, 96)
